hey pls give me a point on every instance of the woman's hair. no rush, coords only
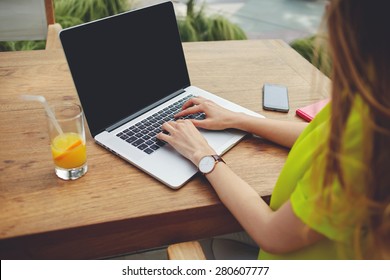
(360, 50)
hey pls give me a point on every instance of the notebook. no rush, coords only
(126, 69)
(310, 111)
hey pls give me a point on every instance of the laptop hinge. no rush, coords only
(146, 109)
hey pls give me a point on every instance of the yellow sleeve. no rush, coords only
(305, 201)
(339, 219)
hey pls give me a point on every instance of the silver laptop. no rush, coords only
(131, 76)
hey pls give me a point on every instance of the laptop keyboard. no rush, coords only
(143, 134)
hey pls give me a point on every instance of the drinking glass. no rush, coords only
(67, 140)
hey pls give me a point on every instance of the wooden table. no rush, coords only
(115, 208)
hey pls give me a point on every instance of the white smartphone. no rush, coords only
(275, 98)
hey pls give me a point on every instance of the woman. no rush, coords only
(332, 198)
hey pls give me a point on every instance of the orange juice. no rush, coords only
(68, 150)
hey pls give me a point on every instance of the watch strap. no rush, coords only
(217, 159)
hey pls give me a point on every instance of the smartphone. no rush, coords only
(275, 98)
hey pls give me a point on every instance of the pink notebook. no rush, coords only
(310, 111)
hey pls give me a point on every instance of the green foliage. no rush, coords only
(22, 45)
(68, 20)
(222, 29)
(314, 50)
(72, 12)
(304, 47)
(196, 26)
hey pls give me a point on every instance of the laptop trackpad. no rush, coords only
(220, 141)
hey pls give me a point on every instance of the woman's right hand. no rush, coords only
(217, 117)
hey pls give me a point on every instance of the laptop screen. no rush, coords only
(124, 63)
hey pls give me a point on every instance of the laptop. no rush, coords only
(131, 76)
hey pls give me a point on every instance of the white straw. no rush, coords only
(49, 112)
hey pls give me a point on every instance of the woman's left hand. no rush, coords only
(186, 139)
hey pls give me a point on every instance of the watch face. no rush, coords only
(206, 164)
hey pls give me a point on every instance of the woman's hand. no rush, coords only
(217, 117)
(186, 139)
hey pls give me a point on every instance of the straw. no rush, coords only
(49, 112)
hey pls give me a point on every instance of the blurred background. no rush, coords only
(262, 19)
(198, 20)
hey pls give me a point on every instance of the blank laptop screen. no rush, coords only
(125, 63)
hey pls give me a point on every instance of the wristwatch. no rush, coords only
(207, 163)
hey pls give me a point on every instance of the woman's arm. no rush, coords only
(217, 118)
(275, 231)
(284, 133)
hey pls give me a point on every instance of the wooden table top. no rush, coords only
(116, 208)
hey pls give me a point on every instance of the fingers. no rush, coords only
(170, 127)
(192, 106)
(167, 126)
(185, 138)
(188, 111)
(193, 101)
(163, 137)
(200, 123)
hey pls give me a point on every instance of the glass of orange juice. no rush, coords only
(67, 141)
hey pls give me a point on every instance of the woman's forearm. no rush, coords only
(241, 200)
(284, 133)
(277, 231)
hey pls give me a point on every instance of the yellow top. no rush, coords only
(297, 183)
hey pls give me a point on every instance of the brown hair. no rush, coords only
(360, 49)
